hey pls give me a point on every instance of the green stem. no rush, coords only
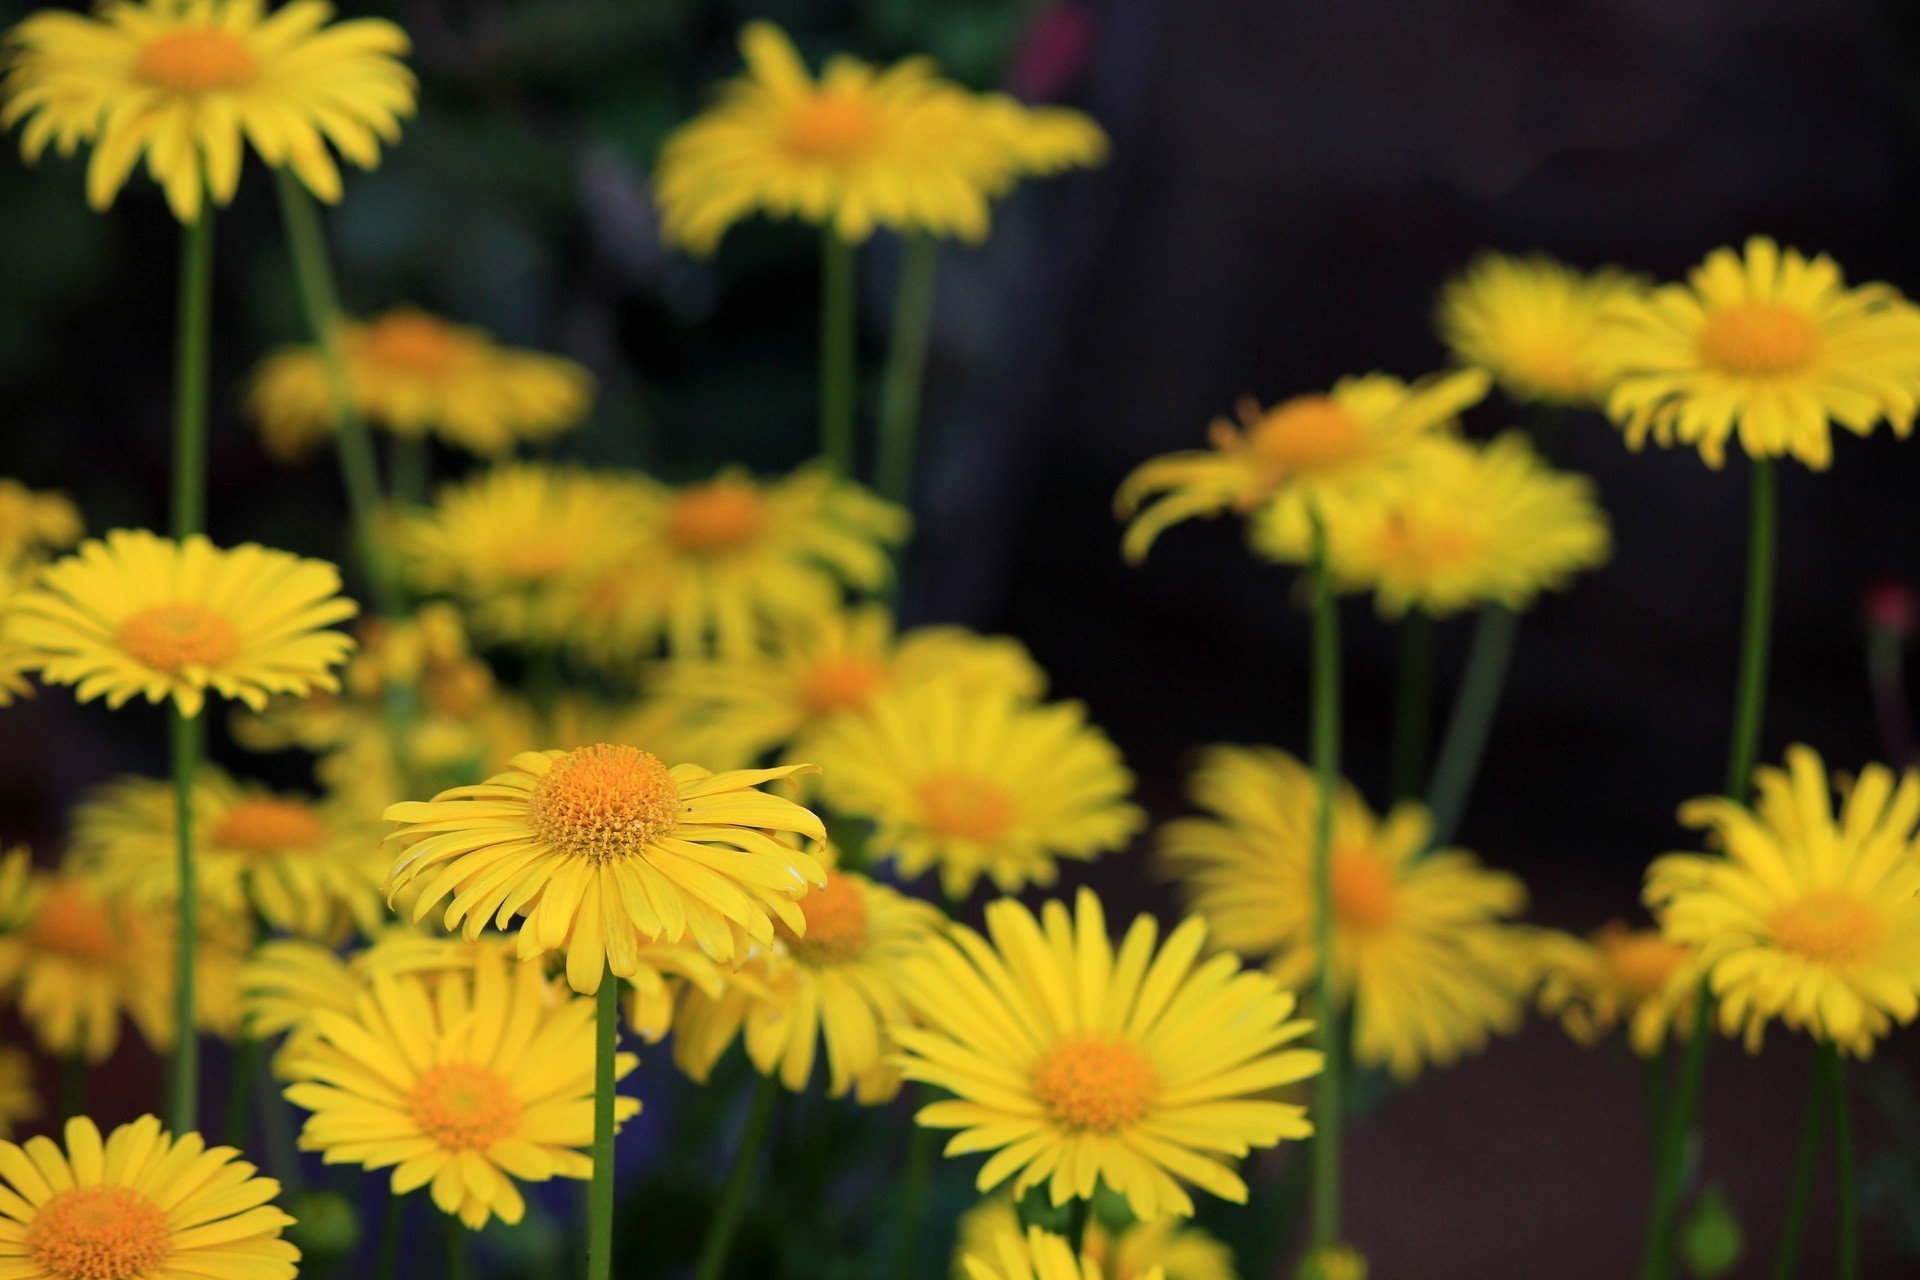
(837, 341)
(733, 1197)
(189, 745)
(1836, 1074)
(1471, 720)
(73, 1085)
(1412, 704)
(906, 369)
(246, 1064)
(277, 1136)
(1326, 769)
(409, 468)
(1078, 1213)
(600, 1198)
(1787, 1260)
(192, 342)
(390, 1235)
(1656, 1069)
(457, 1232)
(923, 1148)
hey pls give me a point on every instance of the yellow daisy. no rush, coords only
(722, 561)
(1531, 322)
(1770, 345)
(605, 848)
(34, 524)
(1172, 1245)
(1422, 950)
(79, 964)
(183, 81)
(1805, 918)
(141, 614)
(977, 781)
(1076, 1064)
(307, 867)
(1302, 451)
(142, 1203)
(18, 1101)
(1035, 1255)
(412, 372)
(1619, 975)
(19, 890)
(837, 983)
(468, 1087)
(1035, 141)
(1472, 525)
(857, 148)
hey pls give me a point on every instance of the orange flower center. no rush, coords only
(1640, 960)
(832, 128)
(1306, 433)
(839, 684)
(537, 559)
(71, 924)
(836, 924)
(1364, 892)
(1424, 546)
(99, 1233)
(464, 1107)
(266, 826)
(604, 802)
(1827, 926)
(1758, 340)
(196, 60)
(170, 638)
(1093, 1085)
(965, 806)
(413, 342)
(711, 518)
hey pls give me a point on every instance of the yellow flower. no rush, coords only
(1422, 952)
(19, 890)
(33, 524)
(977, 781)
(838, 982)
(725, 560)
(1532, 322)
(142, 1203)
(141, 614)
(1039, 140)
(1619, 975)
(1077, 1064)
(1172, 1245)
(1035, 1255)
(858, 148)
(18, 1101)
(412, 373)
(603, 849)
(307, 867)
(470, 1087)
(182, 81)
(1803, 918)
(1469, 526)
(1773, 346)
(1302, 451)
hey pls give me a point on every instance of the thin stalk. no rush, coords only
(246, 1064)
(1786, 1260)
(837, 342)
(923, 1148)
(277, 1137)
(73, 1085)
(1413, 704)
(183, 1080)
(1326, 770)
(906, 369)
(1079, 1210)
(733, 1197)
(1836, 1074)
(409, 468)
(192, 340)
(1471, 720)
(391, 1229)
(457, 1233)
(600, 1198)
(1656, 1069)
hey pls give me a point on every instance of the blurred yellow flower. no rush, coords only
(1422, 950)
(1180, 1250)
(141, 614)
(19, 889)
(1531, 322)
(18, 1101)
(1075, 1064)
(79, 963)
(1769, 345)
(34, 524)
(411, 372)
(1010, 1254)
(1619, 975)
(1037, 141)
(183, 81)
(977, 781)
(1802, 917)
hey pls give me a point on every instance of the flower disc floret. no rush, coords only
(603, 802)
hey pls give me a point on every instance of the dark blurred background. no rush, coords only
(1289, 186)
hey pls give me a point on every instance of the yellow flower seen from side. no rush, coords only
(141, 1204)
(1169, 1245)
(1619, 976)
(1298, 453)
(18, 1102)
(1767, 346)
(411, 373)
(837, 985)
(34, 524)
(1423, 951)
(183, 82)
(138, 614)
(1037, 141)
(977, 782)
(1531, 322)
(604, 849)
(1074, 1063)
(1808, 916)
(1011, 1254)
(468, 1089)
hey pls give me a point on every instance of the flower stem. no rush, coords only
(456, 1248)
(1326, 770)
(73, 1085)
(183, 1082)
(906, 368)
(1413, 704)
(923, 1146)
(1836, 1074)
(1787, 1260)
(1079, 1210)
(733, 1197)
(409, 468)
(391, 1230)
(1471, 720)
(600, 1198)
(837, 340)
(192, 341)
(246, 1064)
